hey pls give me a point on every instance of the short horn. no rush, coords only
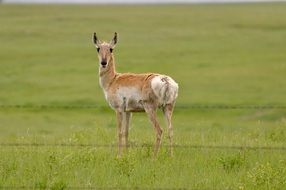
(114, 40)
(95, 39)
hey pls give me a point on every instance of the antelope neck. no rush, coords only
(107, 74)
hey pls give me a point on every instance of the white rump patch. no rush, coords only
(165, 88)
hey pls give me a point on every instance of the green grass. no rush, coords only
(219, 54)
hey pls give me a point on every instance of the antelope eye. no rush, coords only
(111, 50)
(97, 49)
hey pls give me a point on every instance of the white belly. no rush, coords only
(128, 99)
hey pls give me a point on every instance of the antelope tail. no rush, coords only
(165, 88)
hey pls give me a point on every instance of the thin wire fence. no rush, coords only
(191, 106)
(137, 146)
(106, 188)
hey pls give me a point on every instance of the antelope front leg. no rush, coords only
(127, 116)
(119, 117)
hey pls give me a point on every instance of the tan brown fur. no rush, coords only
(128, 92)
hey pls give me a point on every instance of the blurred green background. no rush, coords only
(229, 54)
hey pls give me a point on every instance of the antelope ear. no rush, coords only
(114, 40)
(96, 41)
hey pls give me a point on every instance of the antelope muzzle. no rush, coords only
(103, 63)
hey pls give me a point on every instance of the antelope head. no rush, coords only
(104, 50)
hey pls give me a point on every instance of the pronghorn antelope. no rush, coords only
(127, 93)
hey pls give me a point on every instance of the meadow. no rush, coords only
(226, 54)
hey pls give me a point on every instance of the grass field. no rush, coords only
(219, 54)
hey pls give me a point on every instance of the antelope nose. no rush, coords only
(103, 63)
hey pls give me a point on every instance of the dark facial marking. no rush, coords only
(97, 49)
(103, 63)
(111, 50)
